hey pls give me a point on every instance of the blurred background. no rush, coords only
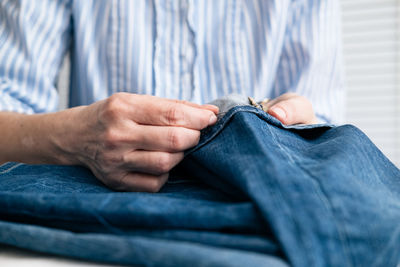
(371, 32)
(371, 46)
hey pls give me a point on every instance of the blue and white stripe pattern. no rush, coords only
(195, 50)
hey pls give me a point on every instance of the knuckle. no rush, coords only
(115, 183)
(174, 114)
(155, 185)
(175, 139)
(184, 102)
(126, 159)
(114, 101)
(111, 138)
(114, 105)
(164, 163)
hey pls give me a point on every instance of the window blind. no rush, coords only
(371, 53)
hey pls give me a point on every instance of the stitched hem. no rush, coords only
(9, 166)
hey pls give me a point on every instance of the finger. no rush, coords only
(165, 138)
(164, 112)
(210, 107)
(281, 98)
(152, 162)
(213, 108)
(141, 182)
(271, 103)
(293, 110)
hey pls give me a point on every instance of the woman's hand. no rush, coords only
(291, 109)
(131, 142)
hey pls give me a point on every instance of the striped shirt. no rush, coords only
(195, 50)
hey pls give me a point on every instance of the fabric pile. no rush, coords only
(253, 192)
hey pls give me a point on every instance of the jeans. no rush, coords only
(253, 192)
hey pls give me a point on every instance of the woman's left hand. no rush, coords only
(291, 108)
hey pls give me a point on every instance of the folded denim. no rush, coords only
(253, 192)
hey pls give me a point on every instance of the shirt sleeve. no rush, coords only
(311, 59)
(34, 37)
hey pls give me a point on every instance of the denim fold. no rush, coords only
(253, 192)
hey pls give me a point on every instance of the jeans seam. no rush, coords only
(9, 169)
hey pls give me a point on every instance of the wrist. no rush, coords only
(40, 138)
(66, 133)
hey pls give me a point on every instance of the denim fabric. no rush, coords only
(252, 193)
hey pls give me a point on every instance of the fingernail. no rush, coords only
(279, 112)
(208, 106)
(215, 107)
(213, 119)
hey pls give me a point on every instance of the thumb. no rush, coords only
(293, 111)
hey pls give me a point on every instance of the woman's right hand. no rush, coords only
(131, 142)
